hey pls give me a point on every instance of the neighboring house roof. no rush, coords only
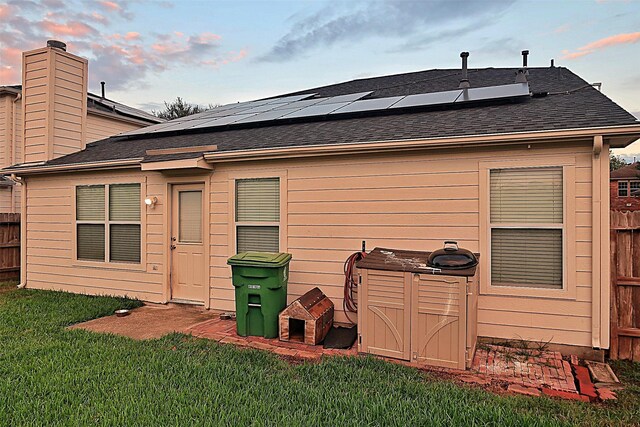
(103, 105)
(561, 101)
(631, 171)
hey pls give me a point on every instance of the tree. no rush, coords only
(615, 162)
(179, 108)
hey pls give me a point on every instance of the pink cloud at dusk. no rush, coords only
(626, 38)
(121, 58)
(74, 29)
(132, 35)
(110, 5)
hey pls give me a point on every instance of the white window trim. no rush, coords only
(627, 188)
(568, 226)
(110, 265)
(233, 225)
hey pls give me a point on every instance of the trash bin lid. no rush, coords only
(260, 259)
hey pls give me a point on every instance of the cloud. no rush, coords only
(122, 59)
(356, 21)
(69, 28)
(627, 38)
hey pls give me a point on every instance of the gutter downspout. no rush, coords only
(23, 229)
(12, 149)
(600, 246)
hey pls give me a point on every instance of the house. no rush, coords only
(510, 162)
(79, 117)
(625, 188)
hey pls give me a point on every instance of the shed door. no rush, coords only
(187, 248)
(438, 319)
(386, 315)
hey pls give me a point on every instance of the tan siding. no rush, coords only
(409, 202)
(69, 104)
(10, 148)
(36, 71)
(101, 127)
(49, 227)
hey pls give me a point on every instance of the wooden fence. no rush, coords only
(9, 246)
(625, 285)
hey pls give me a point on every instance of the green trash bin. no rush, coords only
(260, 281)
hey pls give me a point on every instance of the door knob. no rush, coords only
(172, 247)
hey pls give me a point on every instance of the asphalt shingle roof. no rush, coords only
(571, 103)
(629, 171)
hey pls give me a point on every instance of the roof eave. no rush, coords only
(87, 166)
(617, 134)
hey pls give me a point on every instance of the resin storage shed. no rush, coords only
(411, 312)
(307, 319)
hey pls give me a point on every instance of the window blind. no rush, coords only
(90, 242)
(124, 243)
(259, 239)
(532, 195)
(90, 203)
(258, 200)
(190, 217)
(526, 257)
(124, 202)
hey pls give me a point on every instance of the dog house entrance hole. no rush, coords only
(296, 330)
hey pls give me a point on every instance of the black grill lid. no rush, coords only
(451, 257)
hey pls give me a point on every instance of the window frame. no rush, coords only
(282, 224)
(626, 189)
(107, 264)
(568, 227)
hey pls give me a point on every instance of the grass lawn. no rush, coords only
(53, 376)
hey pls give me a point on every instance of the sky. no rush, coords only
(218, 52)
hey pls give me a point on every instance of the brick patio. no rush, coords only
(224, 331)
(529, 368)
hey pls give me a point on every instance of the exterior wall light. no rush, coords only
(151, 201)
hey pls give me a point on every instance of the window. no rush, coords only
(108, 223)
(634, 186)
(527, 227)
(190, 217)
(623, 188)
(258, 215)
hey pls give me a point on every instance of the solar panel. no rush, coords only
(268, 115)
(221, 121)
(368, 105)
(259, 108)
(292, 98)
(494, 92)
(346, 98)
(315, 110)
(424, 99)
(148, 129)
(301, 106)
(187, 124)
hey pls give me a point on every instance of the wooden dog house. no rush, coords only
(308, 319)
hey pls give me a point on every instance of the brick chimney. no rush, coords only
(54, 92)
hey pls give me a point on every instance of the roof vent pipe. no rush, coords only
(522, 73)
(464, 82)
(57, 44)
(552, 63)
(102, 88)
